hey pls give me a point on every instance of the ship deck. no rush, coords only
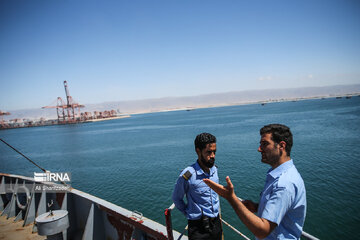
(15, 230)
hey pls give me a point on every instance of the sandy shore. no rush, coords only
(262, 102)
(106, 119)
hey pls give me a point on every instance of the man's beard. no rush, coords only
(208, 164)
(271, 158)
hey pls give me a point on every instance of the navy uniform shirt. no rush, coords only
(283, 201)
(201, 199)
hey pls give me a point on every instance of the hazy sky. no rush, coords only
(137, 49)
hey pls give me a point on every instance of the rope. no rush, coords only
(23, 155)
(182, 234)
(235, 230)
(43, 169)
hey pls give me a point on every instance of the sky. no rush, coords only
(139, 49)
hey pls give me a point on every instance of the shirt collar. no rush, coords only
(199, 170)
(274, 173)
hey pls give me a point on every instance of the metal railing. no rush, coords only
(169, 228)
(168, 221)
(308, 236)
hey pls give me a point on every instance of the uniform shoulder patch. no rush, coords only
(187, 175)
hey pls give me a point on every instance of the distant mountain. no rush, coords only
(207, 100)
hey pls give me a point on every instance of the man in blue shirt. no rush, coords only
(282, 208)
(202, 207)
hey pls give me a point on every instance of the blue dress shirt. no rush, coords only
(283, 201)
(201, 199)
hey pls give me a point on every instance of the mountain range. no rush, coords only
(200, 101)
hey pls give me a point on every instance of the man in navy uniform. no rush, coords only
(202, 206)
(282, 207)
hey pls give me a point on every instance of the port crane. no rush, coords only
(66, 111)
(4, 113)
(3, 124)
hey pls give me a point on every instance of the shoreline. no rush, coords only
(190, 108)
(106, 119)
(53, 122)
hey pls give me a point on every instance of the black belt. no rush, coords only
(205, 223)
(200, 219)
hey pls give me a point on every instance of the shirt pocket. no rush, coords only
(199, 184)
(203, 191)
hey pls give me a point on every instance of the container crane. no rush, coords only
(4, 113)
(66, 112)
(3, 124)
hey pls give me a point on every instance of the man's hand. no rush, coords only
(260, 227)
(226, 192)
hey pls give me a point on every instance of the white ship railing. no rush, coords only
(24, 199)
(169, 228)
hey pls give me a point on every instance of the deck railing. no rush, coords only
(169, 228)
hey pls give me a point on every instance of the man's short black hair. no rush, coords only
(202, 139)
(279, 133)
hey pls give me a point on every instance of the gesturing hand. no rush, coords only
(226, 192)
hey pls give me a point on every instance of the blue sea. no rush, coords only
(134, 162)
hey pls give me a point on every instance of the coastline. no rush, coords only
(52, 122)
(106, 119)
(193, 102)
(295, 99)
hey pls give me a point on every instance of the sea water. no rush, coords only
(134, 162)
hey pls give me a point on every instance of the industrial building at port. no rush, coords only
(67, 113)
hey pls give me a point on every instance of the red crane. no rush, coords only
(4, 113)
(66, 111)
(3, 124)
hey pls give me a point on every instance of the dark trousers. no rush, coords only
(205, 229)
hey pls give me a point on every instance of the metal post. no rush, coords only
(169, 222)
